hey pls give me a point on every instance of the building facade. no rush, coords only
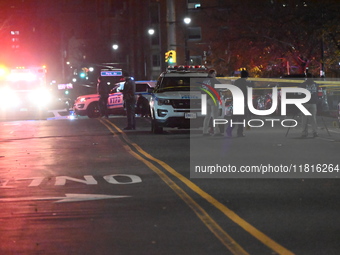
(134, 35)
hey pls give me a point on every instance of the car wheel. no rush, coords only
(93, 110)
(156, 128)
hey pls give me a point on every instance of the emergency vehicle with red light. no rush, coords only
(87, 105)
(23, 89)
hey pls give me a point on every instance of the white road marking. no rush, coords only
(68, 198)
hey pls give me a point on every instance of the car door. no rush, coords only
(115, 99)
(143, 89)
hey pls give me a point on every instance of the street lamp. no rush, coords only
(151, 31)
(115, 46)
(154, 54)
(187, 21)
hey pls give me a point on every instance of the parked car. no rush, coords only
(175, 103)
(87, 105)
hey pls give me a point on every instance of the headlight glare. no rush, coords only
(164, 102)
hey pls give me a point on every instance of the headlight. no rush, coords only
(82, 99)
(40, 97)
(164, 102)
(8, 98)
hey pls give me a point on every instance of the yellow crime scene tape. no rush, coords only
(331, 85)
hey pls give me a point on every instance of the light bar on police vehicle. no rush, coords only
(187, 68)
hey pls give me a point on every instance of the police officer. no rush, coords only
(212, 106)
(143, 107)
(311, 106)
(130, 101)
(241, 83)
(103, 92)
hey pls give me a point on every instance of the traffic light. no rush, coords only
(84, 73)
(170, 57)
(166, 58)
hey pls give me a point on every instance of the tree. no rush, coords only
(274, 37)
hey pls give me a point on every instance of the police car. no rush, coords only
(87, 105)
(176, 100)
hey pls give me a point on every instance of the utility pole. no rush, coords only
(171, 23)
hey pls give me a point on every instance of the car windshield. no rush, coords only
(176, 84)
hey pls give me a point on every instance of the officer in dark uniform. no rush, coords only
(242, 84)
(130, 101)
(103, 92)
(311, 106)
(143, 107)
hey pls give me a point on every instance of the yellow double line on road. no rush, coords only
(225, 239)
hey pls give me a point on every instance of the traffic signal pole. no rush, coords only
(171, 22)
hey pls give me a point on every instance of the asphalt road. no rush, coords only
(84, 186)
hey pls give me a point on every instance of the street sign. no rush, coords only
(111, 73)
(65, 86)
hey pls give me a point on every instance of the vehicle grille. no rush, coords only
(186, 103)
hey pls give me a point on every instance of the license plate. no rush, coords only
(190, 115)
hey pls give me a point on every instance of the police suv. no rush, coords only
(176, 100)
(87, 105)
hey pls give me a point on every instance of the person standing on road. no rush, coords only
(129, 101)
(212, 106)
(242, 84)
(311, 106)
(103, 92)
